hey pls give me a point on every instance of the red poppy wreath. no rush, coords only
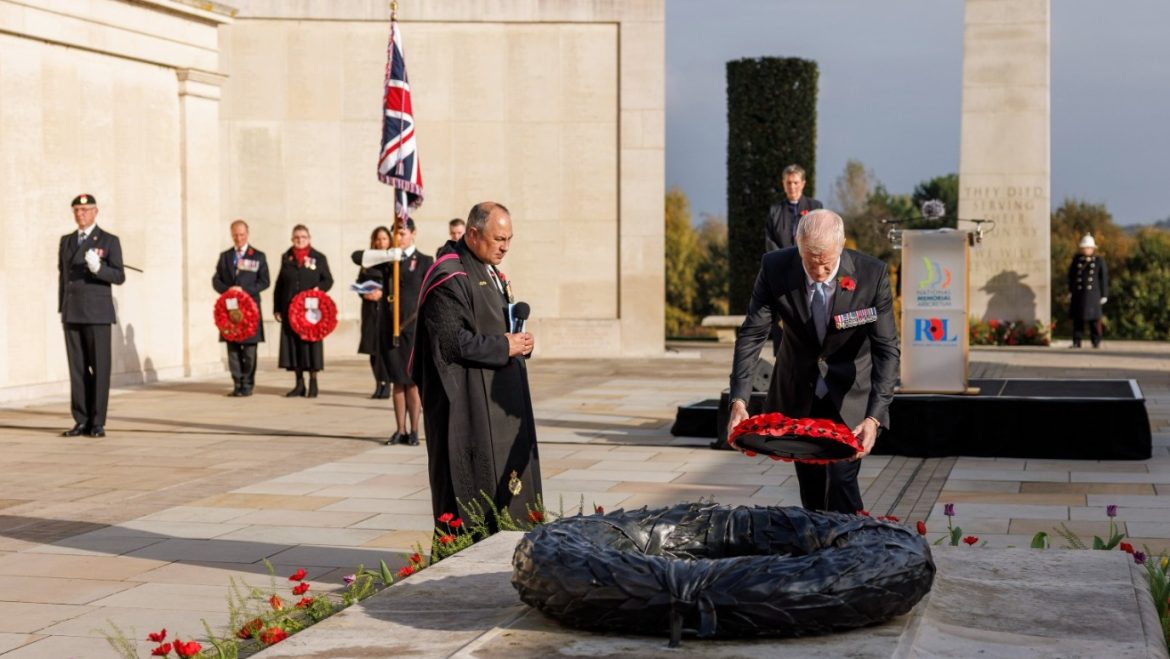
(312, 315)
(238, 318)
(814, 441)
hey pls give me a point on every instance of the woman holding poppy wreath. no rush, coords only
(302, 268)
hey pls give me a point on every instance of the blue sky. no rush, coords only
(890, 93)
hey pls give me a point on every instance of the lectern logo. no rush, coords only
(933, 331)
(934, 289)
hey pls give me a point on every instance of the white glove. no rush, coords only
(1104, 300)
(372, 257)
(92, 261)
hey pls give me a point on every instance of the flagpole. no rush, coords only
(394, 234)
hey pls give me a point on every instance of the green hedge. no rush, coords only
(771, 123)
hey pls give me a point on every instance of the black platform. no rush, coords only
(1016, 418)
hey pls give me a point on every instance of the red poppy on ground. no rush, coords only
(301, 588)
(446, 517)
(406, 571)
(971, 539)
(446, 539)
(157, 637)
(273, 635)
(188, 649)
(456, 523)
(276, 602)
(416, 558)
(1127, 548)
(249, 629)
(598, 509)
(892, 518)
(864, 513)
(305, 601)
(848, 283)
(161, 651)
(921, 527)
(299, 575)
(535, 516)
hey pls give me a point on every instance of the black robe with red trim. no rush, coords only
(477, 409)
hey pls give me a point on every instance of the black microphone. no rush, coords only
(520, 313)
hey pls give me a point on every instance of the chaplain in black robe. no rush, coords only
(480, 431)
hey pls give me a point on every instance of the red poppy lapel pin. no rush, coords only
(250, 252)
(804, 212)
(847, 283)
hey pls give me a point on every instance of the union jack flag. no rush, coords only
(398, 161)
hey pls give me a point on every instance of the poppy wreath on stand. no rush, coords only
(312, 315)
(814, 441)
(236, 316)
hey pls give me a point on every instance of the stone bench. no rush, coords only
(985, 602)
(725, 326)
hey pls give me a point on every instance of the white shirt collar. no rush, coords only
(243, 250)
(409, 251)
(88, 231)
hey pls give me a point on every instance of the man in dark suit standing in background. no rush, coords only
(839, 359)
(784, 217)
(243, 268)
(89, 262)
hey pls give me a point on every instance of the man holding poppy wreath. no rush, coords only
(242, 268)
(839, 358)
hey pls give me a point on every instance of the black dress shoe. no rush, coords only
(412, 439)
(75, 431)
(394, 439)
(97, 431)
(245, 392)
(312, 393)
(379, 391)
(297, 391)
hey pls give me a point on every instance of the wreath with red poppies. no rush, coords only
(237, 324)
(813, 441)
(312, 327)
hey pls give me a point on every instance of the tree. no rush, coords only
(1139, 290)
(852, 189)
(1069, 223)
(712, 275)
(682, 260)
(771, 123)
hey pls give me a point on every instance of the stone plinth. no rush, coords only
(1005, 157)
(985, 602)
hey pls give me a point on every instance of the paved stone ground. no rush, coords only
(145, 527)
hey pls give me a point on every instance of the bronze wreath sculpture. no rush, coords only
(720, 571)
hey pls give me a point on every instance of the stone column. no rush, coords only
(1005, 157)
(203, 229)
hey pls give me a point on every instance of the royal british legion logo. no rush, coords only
(933, 331)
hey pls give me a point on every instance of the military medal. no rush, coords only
(514, 484)
(508, 291)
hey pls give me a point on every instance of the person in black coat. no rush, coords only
(89, 262)
(470, 368)
(378, 334)
(840, 355)
(243, 268)
(301, 268)
(376, 311)
(1088, 287)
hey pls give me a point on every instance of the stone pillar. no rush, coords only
(202, 226)
(1005, 157)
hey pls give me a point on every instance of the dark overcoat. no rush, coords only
(1088, 282)
(780, 228)
(295, 354)
(481, 434)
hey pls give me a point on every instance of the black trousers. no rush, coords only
(1079, 330)
(88, 349)
(831, 487)
(242, 363)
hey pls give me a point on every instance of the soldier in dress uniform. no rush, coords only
(242, 268)
(89, 262)
(1088, 287)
